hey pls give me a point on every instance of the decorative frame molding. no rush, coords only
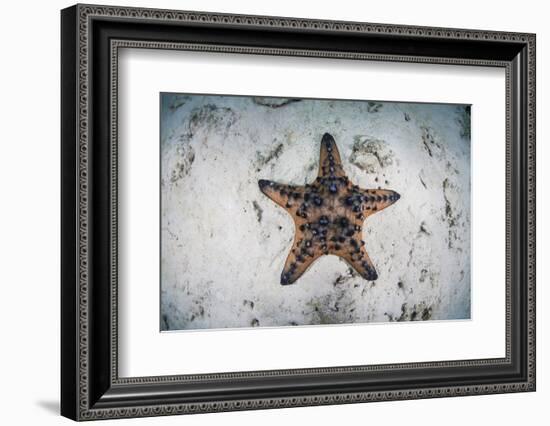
(91, 37)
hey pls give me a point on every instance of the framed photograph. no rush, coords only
(263, 212)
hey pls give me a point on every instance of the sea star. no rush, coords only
(328, 215)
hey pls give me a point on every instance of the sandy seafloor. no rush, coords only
(224, 244)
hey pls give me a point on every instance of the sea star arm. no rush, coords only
(288, 197)
(330, 163)
(303, 253)
(359, 260)
(370, 201)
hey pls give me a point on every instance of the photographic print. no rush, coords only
(281, 211)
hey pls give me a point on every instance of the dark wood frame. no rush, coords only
(91, 37)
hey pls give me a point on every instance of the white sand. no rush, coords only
(224, 243)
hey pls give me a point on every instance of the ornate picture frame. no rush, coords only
(91, 37)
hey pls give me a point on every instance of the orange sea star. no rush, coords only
(328, 215)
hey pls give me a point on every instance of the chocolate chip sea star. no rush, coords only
(328, 215)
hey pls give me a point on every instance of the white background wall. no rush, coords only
(29, 211)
